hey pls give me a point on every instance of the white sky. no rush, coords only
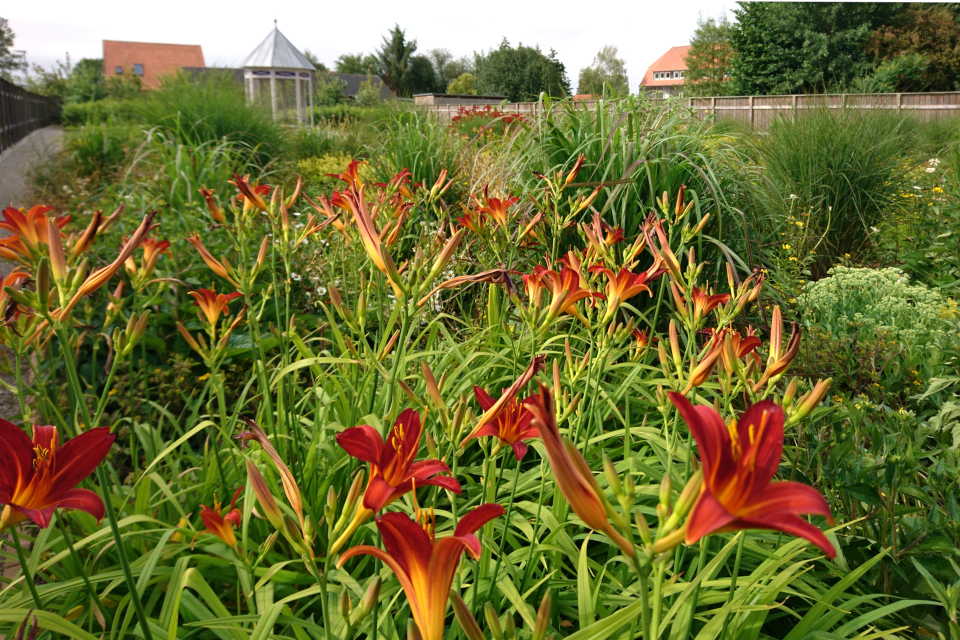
(228, 31)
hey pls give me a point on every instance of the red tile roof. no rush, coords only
(157, 59)
(673, 60)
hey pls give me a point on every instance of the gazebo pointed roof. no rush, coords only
(276, 52)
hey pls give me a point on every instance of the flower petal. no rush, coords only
(790, 524)
(760, 430)
(16, 459)
(712, 438)
(484, 399)
(708, 516)
(475, 519)
(519, 449)
(792, 497)
(79, 456)
(363, 443)
(406, 541)
(379, 493)
(82, 500)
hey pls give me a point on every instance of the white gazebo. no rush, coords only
(277, 67)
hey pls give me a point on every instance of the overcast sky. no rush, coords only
(228, 31)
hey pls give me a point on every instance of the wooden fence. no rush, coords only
(22, 112)
(760, 111)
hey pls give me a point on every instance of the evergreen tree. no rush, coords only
(394, 55)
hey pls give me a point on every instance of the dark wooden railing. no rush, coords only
(22, 112)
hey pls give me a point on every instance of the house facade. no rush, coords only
(148, 60)
(666, 75)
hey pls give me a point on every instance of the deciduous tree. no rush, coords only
(709, 58)
(608, 74)
(931, 31)
(357, 63)
(520, 73)
(9, 62)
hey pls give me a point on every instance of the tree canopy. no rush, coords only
(357, 63)
(931, 32)
(9, 62)
(608, 73)
(783, 47)
(520, 73)
(709, 58)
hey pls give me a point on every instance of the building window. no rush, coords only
(138, 69)
(676, 74)
(118, 70)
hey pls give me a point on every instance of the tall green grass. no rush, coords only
(414, 141)
(848, 167)
(211, 107)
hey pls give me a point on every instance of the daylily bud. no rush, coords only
(612, 476)
(678, 212)
(344, 604)
(412, 632)
(136, 327)
(810, 401)
(212, 205)
(689, 495)
(789, 394)
(268, 505)
(337, 301)
(331, 507)
(431, 445)
(574, 171)
(543, 618)
(642, 527)
(675, 346)
(261, 256)
(467, 622)
(493, 620)
(43, 285)
(432, 389)
(510, 628)
(365, 607)
(665, 491)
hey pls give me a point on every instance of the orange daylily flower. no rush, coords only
(222, 526)
(703, 303)
(566, 291)
(250, 195)
(351, 175)
(739, 463)
(507, 418)
(571, 473)
(211, 305)
(496, 208)
(621, 286)
(424, 565)
(10, 310)
(533, 285)
(28, 230)
(473, 220)
(39, 476)
(152, 250)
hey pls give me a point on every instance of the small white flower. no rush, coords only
(295, 276)
(930, 169)
(793, 196)
(875, 230)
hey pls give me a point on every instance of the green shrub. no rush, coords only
(99, 148)
(314, 172)
(847, 166)
(211, 108)
(873, 331)
(75, 114)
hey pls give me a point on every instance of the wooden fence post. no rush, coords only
(752, 119)
(713, 108)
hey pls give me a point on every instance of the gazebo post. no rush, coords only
(273, 94)
(296, 84)
(310, 80)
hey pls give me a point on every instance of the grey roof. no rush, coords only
(276, 52)
(352, 82)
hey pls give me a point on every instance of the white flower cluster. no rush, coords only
(875, 303)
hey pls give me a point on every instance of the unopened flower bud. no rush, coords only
(344, 604)
(543, 618)
(331, 508)
(493, 620)
(789, 394)
(467, 622)
(365, 607)
(510, 628)
(612, 476)
(642, 527)
(665, 490)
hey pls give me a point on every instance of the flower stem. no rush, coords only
(506, 525)
(27, 576)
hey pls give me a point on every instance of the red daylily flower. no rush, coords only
(739, 462)
(473, 220)
(152, 250)
(703, 303)
(222, 526)
(251, 196)
(621, 286)
(392, 467)
(39, 476)
(425, 566)
(512, 425)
